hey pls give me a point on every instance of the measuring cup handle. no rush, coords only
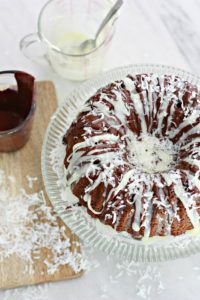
(33, 48)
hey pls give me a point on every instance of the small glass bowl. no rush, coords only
(15, 138)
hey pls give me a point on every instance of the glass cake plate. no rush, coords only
(88, 229)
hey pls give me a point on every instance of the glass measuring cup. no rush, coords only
(62, 26)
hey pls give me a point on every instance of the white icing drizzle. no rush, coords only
(191, 143)
(90, 141)
(140, 111)
(188, 121)
(138, 210)
(142, 158)
(95, 183)
(194, 162)
(124, 181)
(162, 112)
(106, 158)
(147, 108)
(195, 180)
(87, 198)
(136, 102)
(182, 195)
(147, 210)
(130, 86)
(119, 106)
(194, 129)
(170, 117)
(166, 205)
(191, 211)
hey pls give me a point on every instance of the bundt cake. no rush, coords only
(133, 157)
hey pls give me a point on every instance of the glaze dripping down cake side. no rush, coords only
(133, 157)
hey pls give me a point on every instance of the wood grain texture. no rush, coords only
(27, 162)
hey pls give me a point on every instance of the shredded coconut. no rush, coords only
(147, 278)
(27, 226)
(12, 179)
(38, 292)
(31, 180)
(149, 282)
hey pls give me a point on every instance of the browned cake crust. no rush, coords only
(153, 195)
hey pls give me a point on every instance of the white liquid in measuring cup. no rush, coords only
(70, 43)
(70, 61)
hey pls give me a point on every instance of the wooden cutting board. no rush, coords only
(27, 162)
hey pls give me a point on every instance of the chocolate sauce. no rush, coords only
(16, 108)
(10, 113)
(9, 120)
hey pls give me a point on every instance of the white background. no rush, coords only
(156, 31)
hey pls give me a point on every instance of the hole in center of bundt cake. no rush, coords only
(151, 154)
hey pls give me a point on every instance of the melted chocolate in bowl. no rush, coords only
(17, 108)
(9, 120)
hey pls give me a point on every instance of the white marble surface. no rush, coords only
(157, 31)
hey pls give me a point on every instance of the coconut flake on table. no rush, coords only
(11, 179)
(31, 180)
(38, 292)
(147, 278)
(25, 231)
